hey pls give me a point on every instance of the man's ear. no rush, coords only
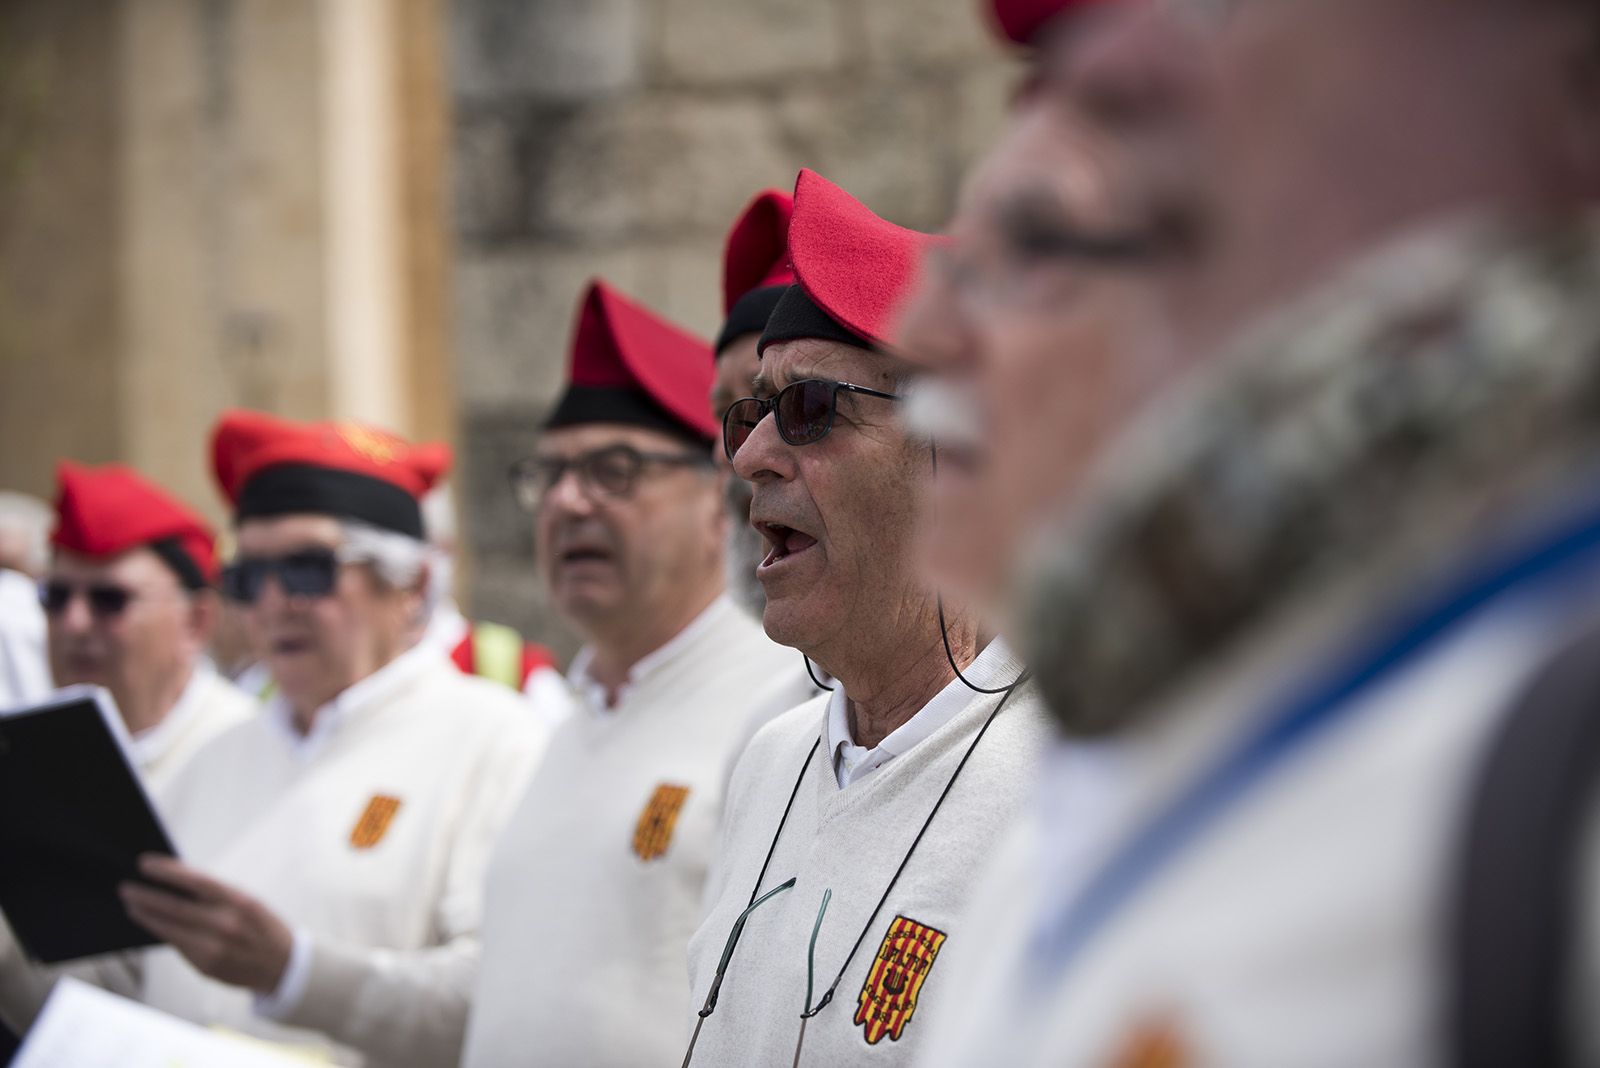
(417, 596)
(205, 611)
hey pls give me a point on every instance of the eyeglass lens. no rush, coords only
(804, 412)
(309, 573)
(104, 599)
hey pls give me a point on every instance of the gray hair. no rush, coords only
(28, 519)
(399, 560)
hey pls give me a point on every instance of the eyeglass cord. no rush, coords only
(710, 1005)
(814, 680)
(827, 996)
(866, 928)
(811, 972)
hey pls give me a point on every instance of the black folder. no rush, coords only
(74, 818)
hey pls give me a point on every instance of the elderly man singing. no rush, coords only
(859, 818)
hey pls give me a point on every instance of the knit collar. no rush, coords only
(1369, 437)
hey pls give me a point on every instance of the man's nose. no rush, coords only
(764, 454)
(568, 495)
(75, 616)
(271, 597)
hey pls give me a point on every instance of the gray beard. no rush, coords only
(742, 552)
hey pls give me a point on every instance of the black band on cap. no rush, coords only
(630, 407)
(292, 489)
(797, 316)
(749, 315)
(176, 557)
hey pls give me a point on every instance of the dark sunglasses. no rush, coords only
(306, 573)
(804, 412)
(105, 599)
(613, 470)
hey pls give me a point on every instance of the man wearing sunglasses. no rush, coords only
(868, 810)
(130, 605)
(333, 846)
(596, 884)
(1300, 604)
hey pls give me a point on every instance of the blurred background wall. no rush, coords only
(384, 209)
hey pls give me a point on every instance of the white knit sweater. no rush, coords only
(372, 836)
(597, 883)
(851, 841)
(208, 706)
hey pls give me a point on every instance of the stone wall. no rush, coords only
(188, 223)
(620, 137)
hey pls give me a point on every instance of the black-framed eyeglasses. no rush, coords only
(804, 410)
(612, 471)
(303, 573)
(106, 599)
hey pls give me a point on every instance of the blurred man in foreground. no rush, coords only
(596, 884)
(867, 811)
(1283, 614)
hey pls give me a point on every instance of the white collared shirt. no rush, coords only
(852, 763)
(595, 694)
(290, 991)
(152, 743)
(390, 677)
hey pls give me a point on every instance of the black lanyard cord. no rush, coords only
(756, 889)
(814, 680)
(738, 925)
(944, 633)
(866, 928)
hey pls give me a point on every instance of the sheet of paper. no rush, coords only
(84, 1027)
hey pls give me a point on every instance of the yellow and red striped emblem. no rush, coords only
(889, 996)
(653, 832)
(1157, 1043)
(374, 822)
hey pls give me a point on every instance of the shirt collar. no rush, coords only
(447, 627)
(995, 666)
(153, 743)
(367, 692)
(593, 692)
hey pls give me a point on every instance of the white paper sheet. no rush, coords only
(83, 1026)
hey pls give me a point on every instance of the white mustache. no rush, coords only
(936, 410)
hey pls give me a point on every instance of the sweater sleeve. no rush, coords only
(24, 985)
(407, 1008)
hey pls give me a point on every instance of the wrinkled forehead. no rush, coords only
(798, 360)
